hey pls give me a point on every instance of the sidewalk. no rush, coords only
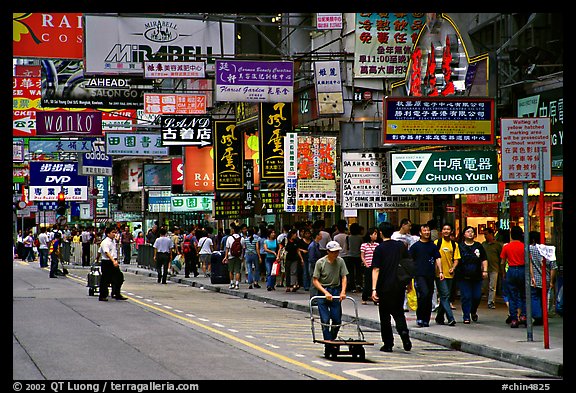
(490, 337)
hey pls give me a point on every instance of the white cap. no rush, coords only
(333, 246)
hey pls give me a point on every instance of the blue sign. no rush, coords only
(96, 162)
(43, 173)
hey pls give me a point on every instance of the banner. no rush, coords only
(290, 171)
(174, 69)
(329, 87)
(174, 104)
(47, 179)
(119, 44)
(228, 157)
(254, 81)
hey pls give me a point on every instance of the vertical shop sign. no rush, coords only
(275, 122)
(290, 169)
(228, 157)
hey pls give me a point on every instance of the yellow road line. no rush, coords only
(233, 338)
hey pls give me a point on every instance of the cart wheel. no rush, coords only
(361, 353)
(91, 291)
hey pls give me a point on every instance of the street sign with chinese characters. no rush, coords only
(124, 144)
(525, 147)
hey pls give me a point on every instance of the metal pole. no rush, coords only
(529, 335)
(543, 241)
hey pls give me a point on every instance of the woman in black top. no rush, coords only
(293, 258)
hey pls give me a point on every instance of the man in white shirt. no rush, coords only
(111, 273)
(163, 247)
(43, 248)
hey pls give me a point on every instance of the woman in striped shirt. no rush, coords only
(371, 241)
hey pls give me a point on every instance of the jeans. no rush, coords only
(492, 283)
(536, 301)
(29, 252)
(444, 288)
(306, 275)
(270, 279)
(252, 261)
(43, 256)
(424, 288)
(515, 284)
(470, 295)
(330, 310)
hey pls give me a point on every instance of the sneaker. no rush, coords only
(491, 306)
(514, 324)
(268, 288)
(386, 348)
(475, 317)
(236, 286)
(256, 285)
(452, 323)
(231, 286)
(466, 322)
(435, 308)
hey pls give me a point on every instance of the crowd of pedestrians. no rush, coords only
(366, 260)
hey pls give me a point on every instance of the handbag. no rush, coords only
(412, 298)
(177, 264)
(275, 268)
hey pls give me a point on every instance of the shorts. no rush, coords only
(234, 265)
(204, 259)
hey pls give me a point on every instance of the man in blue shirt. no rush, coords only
(427, 259)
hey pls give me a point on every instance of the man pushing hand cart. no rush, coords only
(329, 279)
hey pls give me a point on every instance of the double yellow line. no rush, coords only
(231, 337)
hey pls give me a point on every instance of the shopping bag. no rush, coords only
(275, 268)
(412, 298)
(177, 264)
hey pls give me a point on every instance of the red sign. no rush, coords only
(174, 104)
(47, 35)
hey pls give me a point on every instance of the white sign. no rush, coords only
(174, 69)
(85, 211)
(525, 147)
(119, 44)
(364, 176)
(328, 21)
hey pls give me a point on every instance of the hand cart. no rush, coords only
(332, 348)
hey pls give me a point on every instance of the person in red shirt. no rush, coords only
(513, 253)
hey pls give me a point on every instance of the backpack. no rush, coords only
(187, 244)
(236, 247)
(406, 269)
(470, 267)
(36, 243)
(439, 245)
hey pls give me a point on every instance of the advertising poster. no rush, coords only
(199, 169)
(47, 35)
(316, 173)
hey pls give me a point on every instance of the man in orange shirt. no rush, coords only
(513, 253)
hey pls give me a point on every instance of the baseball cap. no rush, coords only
(333, 246)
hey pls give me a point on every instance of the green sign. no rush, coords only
(182, 204)
(449, 172)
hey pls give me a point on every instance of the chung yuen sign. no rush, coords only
(450, 172)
